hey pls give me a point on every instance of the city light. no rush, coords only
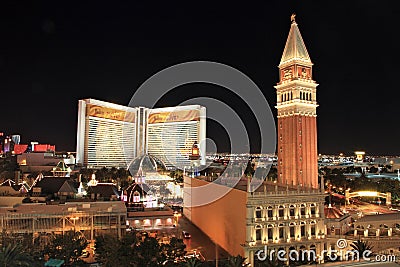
(368, 193)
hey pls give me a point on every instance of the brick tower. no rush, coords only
(296, 105)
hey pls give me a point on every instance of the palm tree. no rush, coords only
(236, 261)
(361, 247)
(14, 255)
(193, 262)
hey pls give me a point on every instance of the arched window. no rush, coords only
(292, 210)
(301, 95)
(281, 231)
(302, 229)
(258, 212)
(303, 209)
(312, 228)
(270, 212)
(291, 95)
(291, 230)
(281, 211)
(281, 97)
(310, 97)
(258, 233)
(312, 209)
(270, 232)
(136, 196)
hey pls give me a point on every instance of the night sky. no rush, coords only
(52, 54)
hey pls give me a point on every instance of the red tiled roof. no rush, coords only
(332, 212)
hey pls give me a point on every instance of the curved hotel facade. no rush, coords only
(111, 135)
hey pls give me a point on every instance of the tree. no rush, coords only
(193, 262)
(177, 175)
(102, 175)
(67, 246)
(236, 261)
(174, 250)
(110, 251)
(373, 169)
(361, 247)
(249, 171)
(107, 250)
(273, 174)
(13, 255)
(23, 243)
(148, 253)
(123, 177)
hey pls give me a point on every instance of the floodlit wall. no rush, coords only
(9, 201)
(224, 220)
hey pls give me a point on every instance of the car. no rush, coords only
(186, 235)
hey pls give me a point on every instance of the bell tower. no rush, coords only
(296, 105)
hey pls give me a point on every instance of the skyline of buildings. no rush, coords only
(285, 214)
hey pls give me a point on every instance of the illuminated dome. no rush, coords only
(144, 164)
(61, 169)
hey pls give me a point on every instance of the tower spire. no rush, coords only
(295, 49)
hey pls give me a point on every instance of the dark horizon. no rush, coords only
(52, 55)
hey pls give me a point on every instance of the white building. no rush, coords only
(106, 134)
(111, 135)
(171, 133)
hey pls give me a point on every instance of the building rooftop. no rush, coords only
(332, 212)
(266, 186)
(380, 217)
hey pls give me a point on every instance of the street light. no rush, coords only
(74, 219)
(194, 158)
(177, 215)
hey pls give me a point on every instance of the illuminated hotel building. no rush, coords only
(172, 133)
(111, 135)
(106, 134)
